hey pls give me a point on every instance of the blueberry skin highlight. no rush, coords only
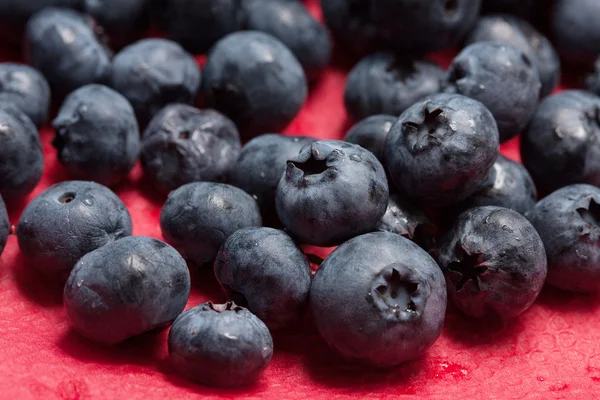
(379, 299)
(560, 147)
(4, 226)
(419, 27)
(264, 270)
(198, 217)
(292, 24)
(407, 219)
(567, 221)
(260, 165)
(67, 221)
(494, 263)
(21, 156)
(383, 83)
(441, 149)
(509, 185)
(62, 45)
(331, 192)
(220, 345)
(255, 80)
(128, 287)
(97, 136)
(183, 144)
(502, 78)
(123, 21)
(181, 19)
(152, 73)
(371, 133)
(520, 34)
(26, 89)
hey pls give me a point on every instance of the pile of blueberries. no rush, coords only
(417, 198)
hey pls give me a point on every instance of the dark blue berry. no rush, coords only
(26, 89)
(183, 144)
(123, 21)
(220, 345)
(128, 287)
(97, 136)
(371, 133)
(67, 221)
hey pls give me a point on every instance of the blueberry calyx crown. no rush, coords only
(312, 165)
(420, 135)
(590, 214)
(466, 267)
(229, 306)
(399, 294)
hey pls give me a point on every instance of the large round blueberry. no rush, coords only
(574, 29)
(331, 192)
(26, 89)
(520, 34)
(255, 80)
(152, 73)
(352, 25)
(419, 27)
(441, 149)
(67, 221)
(568, 223)
(264, 270)
(260, 165)
(371, 133)
(63, 46)
(503, 78)
(379, 299)
(384, 83)
(220, 345)
(181, 19)
(494, 262)
(198, 217)
(291, 23)
(508, 185)
(4, 226)
(183, 144)
(124, 21)
(21, 156)
(97, 136)
(128, 287)
(560, 147)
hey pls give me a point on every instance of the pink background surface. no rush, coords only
(550, 352)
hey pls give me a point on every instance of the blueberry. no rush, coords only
(221, 345)
(183, 144)
(560, 147)
(419, 27)
(264, 270)
(255, 80)
(520, 34)
(331, 192)
(198, 217)
(291, 23)
(97, 135)
(567, 221)
(63, 46)
(441, 149)
(152, 73)
(405, 218)
(21, 156)
(198, 24)
(379, 299)
(4, 226)
(574, 29)
(508, 185)
(67, 221)
(26, 89)
(501, 77)
(494, 262)
(128, 287)
(124, 21)
(383, 83)
(371, 133)
(259, 168)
